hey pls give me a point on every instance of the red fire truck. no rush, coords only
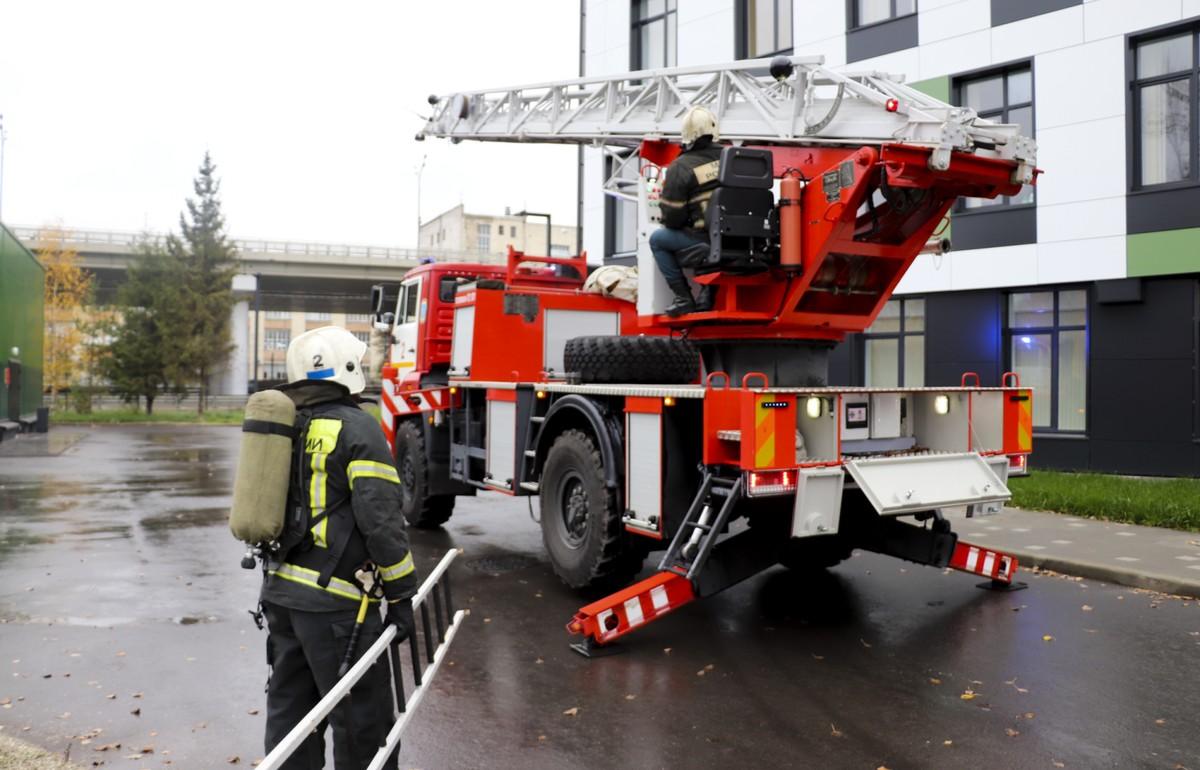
(713, 437)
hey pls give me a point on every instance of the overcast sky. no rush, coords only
(309, 110)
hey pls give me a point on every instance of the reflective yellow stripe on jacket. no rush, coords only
(308, 577)
(321, 440)
(402, 568)
(369, 469)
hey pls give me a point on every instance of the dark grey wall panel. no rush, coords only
(1145, 458)
(1060, 454)
(962, 334)
(1148, 400)
(1005, 11)
(841, 362)
(1147, 212)
(1160, 326)
(879, 39)
(990, 228)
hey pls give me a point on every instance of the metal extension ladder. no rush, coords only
(441, 623)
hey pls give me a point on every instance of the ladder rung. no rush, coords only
(698, 525)
(531, 453)
(529, 486)
(537, 418)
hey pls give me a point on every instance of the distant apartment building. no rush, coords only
(277, 328)
(457, 231)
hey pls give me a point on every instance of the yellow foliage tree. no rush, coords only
(68, 287)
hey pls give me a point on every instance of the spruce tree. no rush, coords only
(198, 332)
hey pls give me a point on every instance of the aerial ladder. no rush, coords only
(749, 459)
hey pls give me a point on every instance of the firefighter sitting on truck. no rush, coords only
(690, 181)
(346, 487)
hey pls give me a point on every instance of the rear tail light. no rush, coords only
(1017, 464)
(766, 483)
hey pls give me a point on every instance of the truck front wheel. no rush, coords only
(420, 509)
(581, 522)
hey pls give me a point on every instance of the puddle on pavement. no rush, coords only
(495, 565)
(201, 517)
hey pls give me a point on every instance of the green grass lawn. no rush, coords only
(1173, 503)
(120, 416)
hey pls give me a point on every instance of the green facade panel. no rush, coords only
(22, 285)
(1167, 252)
(938, 88)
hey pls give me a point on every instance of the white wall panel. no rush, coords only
(953, 19)
(1060, 97)
(928, 273)
(1094, 259)
(929, 5)
(1085, 219)
(593, 205)
(984, 268)
(706, 39)
(1082, 162)
(816, 20)
(1191, 8)
(906, 63)
(833, 49)
(1045, 32)
(954, 55)
(1105, 18)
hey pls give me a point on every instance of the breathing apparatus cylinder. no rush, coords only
(790, 224)
(261, 482)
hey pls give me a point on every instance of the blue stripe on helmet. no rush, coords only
(321, 374)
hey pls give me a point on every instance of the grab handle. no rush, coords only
(708, 380)
(746, 379)
(970, 374)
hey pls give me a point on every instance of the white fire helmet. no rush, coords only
(327, 354)
(698, 122)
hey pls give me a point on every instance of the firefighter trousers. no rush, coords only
(304, 650)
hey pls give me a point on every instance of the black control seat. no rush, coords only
(741, 216)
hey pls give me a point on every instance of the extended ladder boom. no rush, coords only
(789, 100)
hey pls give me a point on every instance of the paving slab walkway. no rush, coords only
(1146, 557)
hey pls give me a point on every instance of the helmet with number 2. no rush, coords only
(327, 354)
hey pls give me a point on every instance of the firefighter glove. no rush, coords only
(400, 614)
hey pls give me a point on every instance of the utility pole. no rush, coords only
(420, 169)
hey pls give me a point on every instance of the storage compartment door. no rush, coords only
(897, 485)
(463, 340)
(501, 443)
(562, 325)
(643, 472)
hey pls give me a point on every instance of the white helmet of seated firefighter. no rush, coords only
(327, 354)
(698, 122)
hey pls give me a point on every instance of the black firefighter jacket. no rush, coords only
(348, 481)
(691, 179)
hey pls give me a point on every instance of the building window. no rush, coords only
(500, 229)
(357, 318)
(1003, 96)
(276, 339)
(279, 315)
(652, 43)
(864, 12)
(764, 28)
(621, 215)
(483, 237)
(894, 346)
(1164, 105)
(1047, 343)
(318, 316)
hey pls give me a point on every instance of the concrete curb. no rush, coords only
(1110, 574)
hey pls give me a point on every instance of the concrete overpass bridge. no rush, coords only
(293, 275)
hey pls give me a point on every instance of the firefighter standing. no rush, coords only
(690, 181)
(345, 481)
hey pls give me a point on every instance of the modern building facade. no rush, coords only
(277, 328)
(1089, 286)
(22, 324)
(460, 232)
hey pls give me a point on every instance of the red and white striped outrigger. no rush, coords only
(395, 403)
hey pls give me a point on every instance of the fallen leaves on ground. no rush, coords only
(836, 733)
(1011, 733)
(933, 680)
(572, 712)
(1047, 638)
(233, 760)
(630, 696)
(968, 694)
(947, 742)
(865, 643)
(705, 670)
(1086, 608)
(252, 712)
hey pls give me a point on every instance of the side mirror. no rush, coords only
(385, 321)
(376, 300)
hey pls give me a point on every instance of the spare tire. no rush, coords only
(664, 360)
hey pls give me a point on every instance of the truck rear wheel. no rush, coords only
(581, 523)
(420, 509)
(664, 360)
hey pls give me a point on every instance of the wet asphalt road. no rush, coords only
(123, 610)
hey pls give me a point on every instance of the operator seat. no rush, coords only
(741, 217)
